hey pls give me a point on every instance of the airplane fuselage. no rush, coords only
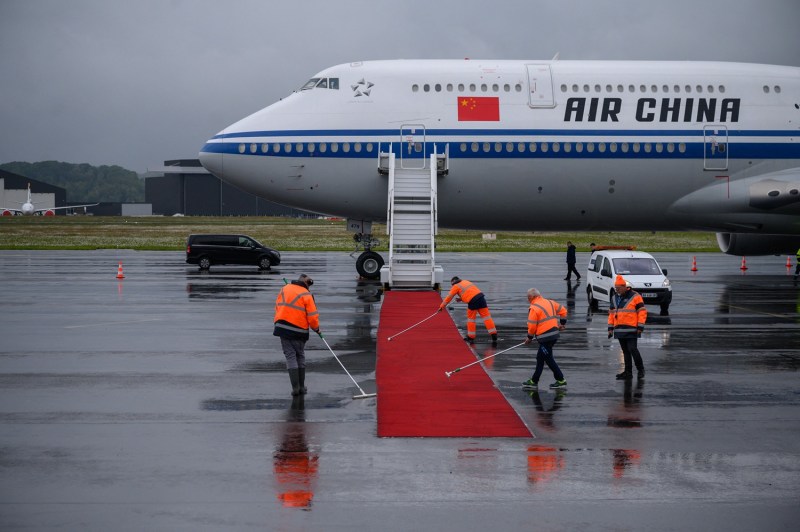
(536, 145)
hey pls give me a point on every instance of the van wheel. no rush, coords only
(590, 297)
(264, 263)
(204, 263)
(369, 265)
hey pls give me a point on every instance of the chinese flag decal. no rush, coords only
(478, 109)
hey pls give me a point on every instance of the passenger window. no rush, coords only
(606, 267)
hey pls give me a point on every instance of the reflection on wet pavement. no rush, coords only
(161, 401)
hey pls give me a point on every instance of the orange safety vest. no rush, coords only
(295, 310)
(544, 317)
(630, 317)
(465, 288)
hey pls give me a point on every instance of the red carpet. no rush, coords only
(415, 397)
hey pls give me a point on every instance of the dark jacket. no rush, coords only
(571, 254)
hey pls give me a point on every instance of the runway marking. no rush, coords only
(103, 324)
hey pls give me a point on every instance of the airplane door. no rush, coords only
(540, 86)
(412, 146)
(715, 148)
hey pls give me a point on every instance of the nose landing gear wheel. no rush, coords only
(369, 265)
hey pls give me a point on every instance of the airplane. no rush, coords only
(538, 146)
(28, 209)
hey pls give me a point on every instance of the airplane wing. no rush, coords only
(43, 209)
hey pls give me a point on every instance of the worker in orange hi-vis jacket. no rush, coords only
(476, 304)
(626, 318)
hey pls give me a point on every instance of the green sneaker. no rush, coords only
(559, 384)
(530, 384)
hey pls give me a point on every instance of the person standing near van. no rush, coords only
(296, 312)
(626, 318)
(571, 260)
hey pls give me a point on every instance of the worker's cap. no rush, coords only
(305, 279)
(455, 280)
(620, 281)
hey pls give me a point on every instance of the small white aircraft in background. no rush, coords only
(28, 209)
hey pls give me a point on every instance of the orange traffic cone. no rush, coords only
(744, 265)
(694, 264)
(788, 262)
(120, 275)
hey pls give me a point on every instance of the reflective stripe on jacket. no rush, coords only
(295, 311)
(544, 317)
(627, 314)
(465, 288)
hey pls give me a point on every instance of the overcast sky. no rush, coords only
(137, 82)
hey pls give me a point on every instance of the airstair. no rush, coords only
(411, 222)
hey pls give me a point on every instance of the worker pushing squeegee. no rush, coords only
(295, 313)
(469, 293)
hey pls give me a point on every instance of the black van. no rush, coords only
(205, 250)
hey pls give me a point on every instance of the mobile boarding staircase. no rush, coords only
(412, 225)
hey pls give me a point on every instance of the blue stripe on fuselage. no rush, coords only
(610, 133)
(694, 150)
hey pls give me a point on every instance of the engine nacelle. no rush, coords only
(749, 244)
(49, 212)
(6, 212)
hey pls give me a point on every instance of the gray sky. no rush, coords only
(137, 82)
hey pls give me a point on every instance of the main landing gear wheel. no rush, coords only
(369, 265)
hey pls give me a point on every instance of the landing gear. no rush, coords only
(369, 263)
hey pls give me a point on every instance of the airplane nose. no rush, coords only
(211, 160)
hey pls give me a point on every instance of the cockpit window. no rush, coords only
(321, 83)
(310, 84)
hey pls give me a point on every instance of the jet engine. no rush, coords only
(749, 244)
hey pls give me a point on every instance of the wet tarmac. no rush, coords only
(161, 402)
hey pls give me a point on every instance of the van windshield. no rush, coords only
(636, 266)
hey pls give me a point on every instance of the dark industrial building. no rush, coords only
(187, 188)
(184, 188)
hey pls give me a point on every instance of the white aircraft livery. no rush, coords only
(539, 145)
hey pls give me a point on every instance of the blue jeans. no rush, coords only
(545, 356)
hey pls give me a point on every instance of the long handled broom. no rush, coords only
(363, 394)
(408, 329)
(448, 373)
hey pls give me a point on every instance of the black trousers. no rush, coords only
(570, 269)
(545, 356)
(631, 351)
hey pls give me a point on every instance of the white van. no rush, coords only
(638, 267)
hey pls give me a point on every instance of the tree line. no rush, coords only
(84, 182)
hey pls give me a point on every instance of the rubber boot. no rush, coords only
(294, 376)
(302, 382)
